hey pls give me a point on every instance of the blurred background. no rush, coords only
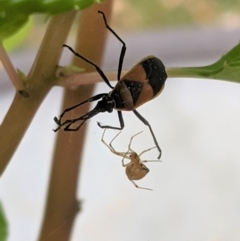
(196, 187)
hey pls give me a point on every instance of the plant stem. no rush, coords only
(22, 110)
(62, 205)
(11, 71)
(76, 79)
(182, 73)
(204, 72)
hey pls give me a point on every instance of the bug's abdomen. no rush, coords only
(155, 73)
(145, 80)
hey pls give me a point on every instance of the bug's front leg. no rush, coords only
(121, 121)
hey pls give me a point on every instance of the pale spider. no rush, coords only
(135, 169)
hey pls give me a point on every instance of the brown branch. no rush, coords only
(11, 71)
(62, 205)
(22, 110)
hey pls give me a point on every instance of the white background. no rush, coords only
(196, 189)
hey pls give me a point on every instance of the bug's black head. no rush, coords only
(106, 104)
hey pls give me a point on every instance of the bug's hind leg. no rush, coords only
(150, 128)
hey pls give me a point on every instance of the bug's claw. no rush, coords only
(57, 121)
(100, 125)
(55, 130)
(160, 154)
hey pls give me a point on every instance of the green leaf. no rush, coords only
(3, 225)
(14, 14)
(226, 68)
(15, 39)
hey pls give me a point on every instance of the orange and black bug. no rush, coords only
(139, 85)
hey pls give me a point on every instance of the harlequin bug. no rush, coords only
(139, 85)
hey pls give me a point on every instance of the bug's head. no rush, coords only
(106, 104)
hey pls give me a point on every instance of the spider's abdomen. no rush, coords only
(136, 171)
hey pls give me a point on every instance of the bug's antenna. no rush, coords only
(123, 51)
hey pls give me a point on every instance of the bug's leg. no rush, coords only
(113, 127)
(140, 187)
(58, 121)
(83, 118)
(150, 128)
(99, 70)
(67, 128)
(123, 51)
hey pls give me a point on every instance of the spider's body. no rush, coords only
(135, 169)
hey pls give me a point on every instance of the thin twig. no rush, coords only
(77, 79)
(11, 71)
